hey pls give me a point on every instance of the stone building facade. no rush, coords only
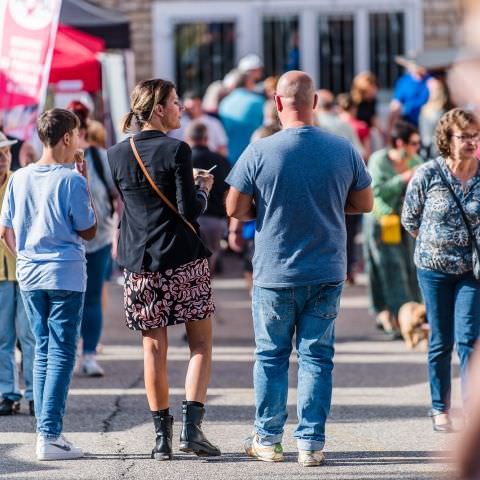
(439, 26)
(441, 23)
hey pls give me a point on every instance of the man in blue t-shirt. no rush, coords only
(46, 212)
(241, 113)
(298, 184)
(410, 94)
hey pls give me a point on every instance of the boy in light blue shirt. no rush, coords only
(47, 211)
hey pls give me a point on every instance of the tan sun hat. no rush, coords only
(5, 142)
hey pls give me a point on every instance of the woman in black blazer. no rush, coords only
(167, 280)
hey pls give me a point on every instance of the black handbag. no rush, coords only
(475, 249)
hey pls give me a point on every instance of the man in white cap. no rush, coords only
(252, 65)
(13, 319)
(241, 111)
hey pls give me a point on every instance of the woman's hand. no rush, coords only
(407, 175)
(203, 179)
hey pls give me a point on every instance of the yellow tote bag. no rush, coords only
(390, 229)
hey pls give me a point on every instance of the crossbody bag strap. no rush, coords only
(155, 187)
(459, 205)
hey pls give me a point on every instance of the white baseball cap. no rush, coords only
(5, 142)
(250, 62)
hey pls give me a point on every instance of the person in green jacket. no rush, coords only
(388, 249)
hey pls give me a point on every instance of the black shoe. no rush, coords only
(9, 407)
(31, 408)
(192, 438)
(163, 441)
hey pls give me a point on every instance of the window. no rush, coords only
(204, 52)
(201, 40)
(387, 40)
(280, 45)
(336, 52)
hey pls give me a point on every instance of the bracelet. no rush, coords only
(237, 232)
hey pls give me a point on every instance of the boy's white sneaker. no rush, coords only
(56, 449)
(311, 458)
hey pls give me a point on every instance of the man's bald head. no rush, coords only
(296, 89)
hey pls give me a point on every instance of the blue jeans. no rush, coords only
(309, 312)
(97, 265)
(453, 312)
(14, 325)
(55, 317)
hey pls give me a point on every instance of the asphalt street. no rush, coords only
(378, 428)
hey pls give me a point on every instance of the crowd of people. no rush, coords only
(275, 149)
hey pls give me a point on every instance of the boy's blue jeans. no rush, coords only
(14, 325)
(453, 313)
(278, 314)
(55, 317)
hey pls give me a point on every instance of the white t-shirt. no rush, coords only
(217, 137)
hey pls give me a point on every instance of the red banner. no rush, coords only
(27, 37)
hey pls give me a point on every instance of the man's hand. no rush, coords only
(7, 235)
(80, 163)
(235, 237)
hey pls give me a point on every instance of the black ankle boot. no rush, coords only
(9, 407)
(164, 432)
(192, 438)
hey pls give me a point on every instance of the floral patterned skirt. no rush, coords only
(160, 299)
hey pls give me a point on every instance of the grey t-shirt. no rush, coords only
(101, 199)
(300, 179)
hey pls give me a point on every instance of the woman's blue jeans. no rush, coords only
(14, 326)
(278, 314)
(55, 317)
(453, 312)
(92, 322)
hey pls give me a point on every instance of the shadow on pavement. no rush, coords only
(406, 457)
(10, 464)
(334, 459)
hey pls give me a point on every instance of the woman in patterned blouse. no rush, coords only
(443, 252)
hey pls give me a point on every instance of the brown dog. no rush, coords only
(414, 328)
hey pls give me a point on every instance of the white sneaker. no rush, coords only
(311, 458)
(90, 367)
(266, 453)
(56, 449)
